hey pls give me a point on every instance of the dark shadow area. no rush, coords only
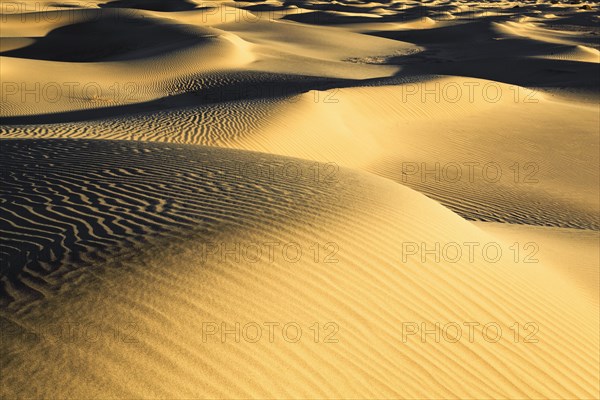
(328, 15)
(108, 37)
(152, 5)
(473, 49)
(239, 86)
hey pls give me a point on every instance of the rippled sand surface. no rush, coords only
(299, 200)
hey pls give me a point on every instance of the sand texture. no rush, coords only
(300, 200)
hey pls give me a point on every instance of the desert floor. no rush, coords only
(300, 199)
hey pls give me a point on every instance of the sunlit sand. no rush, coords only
(300, 200)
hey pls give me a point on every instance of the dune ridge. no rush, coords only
(375, 115)
(145, 288)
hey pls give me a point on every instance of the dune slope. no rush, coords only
(149, 309)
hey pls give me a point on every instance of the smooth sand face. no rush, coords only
(299, 200)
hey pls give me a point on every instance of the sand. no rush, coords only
(300, 200)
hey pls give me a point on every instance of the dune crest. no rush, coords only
(165, 298)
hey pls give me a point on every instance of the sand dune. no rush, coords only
(160, 296)
(556, 248)
(393, 131)
(187, 186)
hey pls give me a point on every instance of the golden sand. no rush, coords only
(285, 200)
